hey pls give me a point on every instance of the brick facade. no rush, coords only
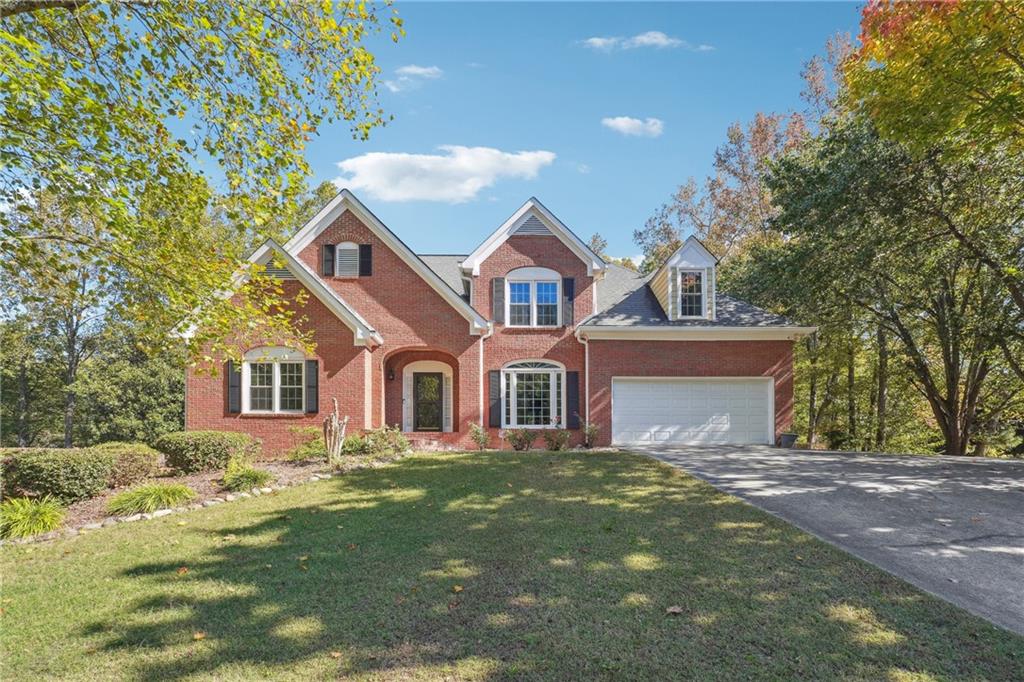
(417, 323)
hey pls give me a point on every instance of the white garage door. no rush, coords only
(650, 411)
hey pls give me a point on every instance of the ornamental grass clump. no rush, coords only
(21, 517)
(241, 475)
(149, 498)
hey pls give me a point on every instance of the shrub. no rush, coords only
(149, 498)
(68, 475)
(310, 446)
(192, 451)
(556, 439)
(241, 475)
(21, 517)
(354, 444)
(387, 440)
(521, 439)
(479, 435)
(133, 462)
(590, 431)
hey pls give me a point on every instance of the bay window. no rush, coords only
(273, 380)
(533, 395)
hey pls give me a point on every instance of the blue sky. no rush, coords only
(494, 103)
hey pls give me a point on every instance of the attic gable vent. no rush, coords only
(532, 226)
(277, 273)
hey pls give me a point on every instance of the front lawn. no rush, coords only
(472, 566)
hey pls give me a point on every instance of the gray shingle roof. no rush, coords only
(625, 300)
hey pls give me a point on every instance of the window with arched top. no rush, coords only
(533, 394)
(273, 379)
(533, 298)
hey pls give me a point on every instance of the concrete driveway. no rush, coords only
(951, 526)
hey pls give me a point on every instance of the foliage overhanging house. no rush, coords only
(530, 330)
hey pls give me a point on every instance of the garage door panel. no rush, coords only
(692, 410)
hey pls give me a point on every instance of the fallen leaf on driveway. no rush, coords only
(674, 610)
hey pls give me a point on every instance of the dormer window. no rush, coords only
(533, 297)
(691, 293)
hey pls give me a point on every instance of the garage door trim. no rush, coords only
(768, 381)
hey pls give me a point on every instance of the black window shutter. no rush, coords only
(328, 260)
(312, 386)
(234, 388)
(568, 296)
(572, 399)
(498, 299)
(365, 260)
(494, 398)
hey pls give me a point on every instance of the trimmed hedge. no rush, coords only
(67, 475)
(192, 451)
(133, 462)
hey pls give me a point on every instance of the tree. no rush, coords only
(112, 107)
(943, 73)
(30, 388)
(852, 207)
(599, 245)
(730, 207)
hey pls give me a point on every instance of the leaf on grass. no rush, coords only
(335, 654)
(674, 610)
(182, 570)
(198, 635)
(799, 558)
(229, 538)
(454, 604)
(304, 558)
(457, 589)
(352, 545)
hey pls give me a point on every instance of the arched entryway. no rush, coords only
(421, 392)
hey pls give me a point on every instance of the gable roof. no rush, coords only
(363, 333)
(533, 218)
(346, 201)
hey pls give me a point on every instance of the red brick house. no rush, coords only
(530, 330)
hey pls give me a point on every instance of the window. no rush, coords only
(691, 293)
(532, 394)
(273, 380)
(346, 260)
(534, 298)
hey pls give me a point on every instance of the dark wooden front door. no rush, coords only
(427, 401)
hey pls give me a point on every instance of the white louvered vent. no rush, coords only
(278, 273)
(532, 226)
(347, 261)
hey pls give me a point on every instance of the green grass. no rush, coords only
(149, 498)
(480, 566)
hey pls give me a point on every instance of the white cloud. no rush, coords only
(653, 39)
(649, 127)
(454, 176)
(412, 76)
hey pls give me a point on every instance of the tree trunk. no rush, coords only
(23, 403)
(69, 415)
(882, 388)
(851, 396)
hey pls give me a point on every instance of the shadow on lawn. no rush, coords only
(538, 565)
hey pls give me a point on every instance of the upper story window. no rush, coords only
(273, 381)
(533, 298)
(346, 260)
(691, 293)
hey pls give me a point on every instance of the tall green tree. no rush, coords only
(116, 108)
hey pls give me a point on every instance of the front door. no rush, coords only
(427, 401)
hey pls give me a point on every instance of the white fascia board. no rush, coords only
(364, 334)
(708, 333)
(346, 201)
(595, 266)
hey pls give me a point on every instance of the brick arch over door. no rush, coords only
(395, 364)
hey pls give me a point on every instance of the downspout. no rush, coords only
(582, 338)
(485, 335)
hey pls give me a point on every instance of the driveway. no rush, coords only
(951, 526)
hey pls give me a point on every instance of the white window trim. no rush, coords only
(273, 357)
(345, 246)
(510, 368)
(703, 293)
(532, 276)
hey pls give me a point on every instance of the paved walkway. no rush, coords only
(952, 526)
